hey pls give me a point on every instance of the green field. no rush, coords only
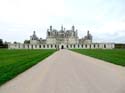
(14, 62)
(115, 56)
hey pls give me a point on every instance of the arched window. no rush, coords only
(51, 46)
(43, 46)
(74, 45)
(47, 46)
(19, 46)
(98, 45)
(32, 46)
(35, 46)
(82, 45)
(78, 45)
(71, 46)
(66, 46)
(90, 46)
(85, 46)
(104, 46)
(28, 46)
(39, 46)
(23, 46)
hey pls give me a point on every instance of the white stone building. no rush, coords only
(61, 39)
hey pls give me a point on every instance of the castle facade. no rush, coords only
(60, 39)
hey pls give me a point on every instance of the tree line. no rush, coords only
(3, 44)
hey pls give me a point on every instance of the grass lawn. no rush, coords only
(115, 56)
(14, 62)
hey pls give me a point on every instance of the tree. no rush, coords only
(1, 42)
(27, 42)
(15, 42)
(5, 44)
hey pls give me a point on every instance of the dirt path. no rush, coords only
(69, 72)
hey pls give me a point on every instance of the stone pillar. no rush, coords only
(92, 46)
(30, 47)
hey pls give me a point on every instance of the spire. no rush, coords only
(89, 36)
(51, 28)
(34, 37)
(34, 32)
(88, 33)
(73, 28)
(62, 27)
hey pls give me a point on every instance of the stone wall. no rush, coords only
(64, 46)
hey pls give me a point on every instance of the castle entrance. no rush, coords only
(62, 47)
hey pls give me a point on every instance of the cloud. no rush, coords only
(105, 19)
(112, 31)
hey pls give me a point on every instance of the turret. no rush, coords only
(89, 36)
(34, 39)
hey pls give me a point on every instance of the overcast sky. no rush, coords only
(104, 18)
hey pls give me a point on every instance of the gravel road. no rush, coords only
(69, 72)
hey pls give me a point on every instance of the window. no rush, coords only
(32, 46)
(67, 46)
(47, 46)
(19, 46)
(78, 46)
(104, 46)
(74, 46)
(43, 46)
(35, 46)
(39, 46)
(85, 46)
(82, 46)
(51, 46)
(71, 46)
(98, 45)
(94, 45)
(90, 46)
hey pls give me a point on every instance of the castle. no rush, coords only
(60, 39)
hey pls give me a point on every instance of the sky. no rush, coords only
(105, 19)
